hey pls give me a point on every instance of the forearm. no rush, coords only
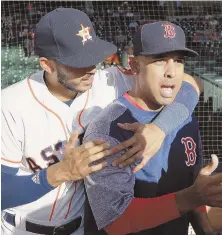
(176, 114)
(197, 83)
(214, 215)
(200, 222)
(140, 214)
(15, 188)
(57, 174)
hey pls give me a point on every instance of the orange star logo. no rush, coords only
(84, 33)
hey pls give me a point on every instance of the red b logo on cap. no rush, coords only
(169, 31)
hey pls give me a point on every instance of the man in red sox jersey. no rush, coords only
(43, 161)
(172, 189)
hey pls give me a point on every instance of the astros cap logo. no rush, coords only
(169, 31)
(84, 33)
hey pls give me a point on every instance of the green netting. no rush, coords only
(15, 66)
(212, 84)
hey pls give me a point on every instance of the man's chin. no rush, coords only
(166, 101)
(84, 88)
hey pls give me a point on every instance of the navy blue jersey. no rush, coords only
(173, 168)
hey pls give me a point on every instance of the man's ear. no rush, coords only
(47, 65)
(133, 64)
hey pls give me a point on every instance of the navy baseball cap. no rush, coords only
(67, 36)
(160, 37)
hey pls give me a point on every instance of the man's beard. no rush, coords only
(63, 80)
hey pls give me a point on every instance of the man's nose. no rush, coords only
(170, 71)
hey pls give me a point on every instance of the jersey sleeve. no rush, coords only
(110, 190)
(36, 184)
(176, 114)
(12, 137)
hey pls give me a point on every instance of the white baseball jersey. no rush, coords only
(35, 126)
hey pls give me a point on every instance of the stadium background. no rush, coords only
(116, 21)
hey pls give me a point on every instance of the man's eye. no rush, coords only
(160, 61)
(179, 61)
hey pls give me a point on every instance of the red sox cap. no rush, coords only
(67, 36)
(160, 37)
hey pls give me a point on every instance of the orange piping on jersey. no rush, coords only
(70, 203)
(125, 71)
(80, 115)
(10, 160)
(47, 108)
(80, 124)
(54, 204)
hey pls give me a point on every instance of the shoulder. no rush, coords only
(113, 76)
(101, 124)
(119, 71)
(17, 95)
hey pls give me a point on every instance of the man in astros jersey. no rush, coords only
(45, 116)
